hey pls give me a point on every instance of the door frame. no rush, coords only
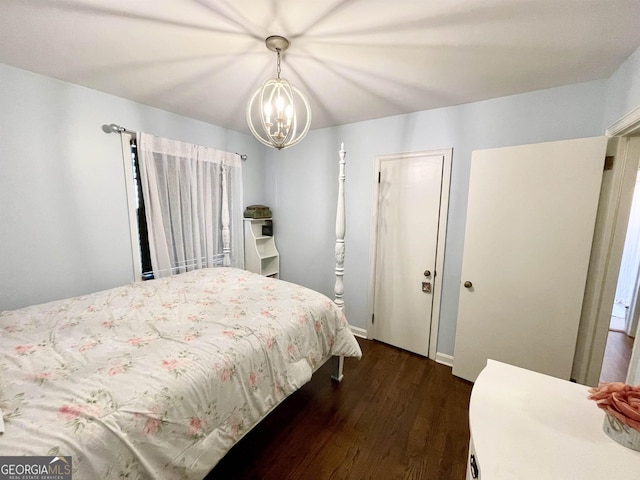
(631, 317)
(447, 155)
(606, 254)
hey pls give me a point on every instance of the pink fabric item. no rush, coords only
(620, 400)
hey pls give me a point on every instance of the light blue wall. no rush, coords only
(63, 220)
(302, 186)
(63, 216)
(623, 90)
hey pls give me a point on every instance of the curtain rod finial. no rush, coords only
(113, 128)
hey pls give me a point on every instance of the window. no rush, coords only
(143, 236)
(176, 202)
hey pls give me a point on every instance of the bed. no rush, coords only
(159, 379)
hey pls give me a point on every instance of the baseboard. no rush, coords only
(444, 359)
(359, 332)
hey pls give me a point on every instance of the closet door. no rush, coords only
(411, 213)
(530, 221)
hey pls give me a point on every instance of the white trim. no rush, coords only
(136, 262)
(359, 332)
(447, 155)
(627, 125)
(444, 359)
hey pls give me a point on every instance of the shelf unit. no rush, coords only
(260, 252)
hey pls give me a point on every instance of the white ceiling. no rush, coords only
(355, 60)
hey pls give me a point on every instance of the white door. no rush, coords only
(530, 221)
(410, 215)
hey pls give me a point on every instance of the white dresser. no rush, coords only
(525, 425)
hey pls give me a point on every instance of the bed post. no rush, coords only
(224, 214)
(338, 361)
(340, 231)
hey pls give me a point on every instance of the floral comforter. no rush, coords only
(159, 379)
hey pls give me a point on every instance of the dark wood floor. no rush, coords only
(395, 416)
(617, 355)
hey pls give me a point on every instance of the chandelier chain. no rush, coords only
(278, 64)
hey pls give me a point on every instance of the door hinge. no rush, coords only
(379, 176)
(608, 162)
(373, 319)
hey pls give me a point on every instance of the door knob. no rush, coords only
(468, 284)
(427, 273)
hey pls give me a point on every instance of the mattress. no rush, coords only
(159, 379)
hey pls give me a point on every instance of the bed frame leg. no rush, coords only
(337, 364)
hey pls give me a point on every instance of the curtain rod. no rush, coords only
(113, 128)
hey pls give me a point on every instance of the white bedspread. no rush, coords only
(159, 379)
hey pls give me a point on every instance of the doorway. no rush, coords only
(408, 230)
(620, 338)
(606, 255)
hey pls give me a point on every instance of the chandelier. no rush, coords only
(278, 114)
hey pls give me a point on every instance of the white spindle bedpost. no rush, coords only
(340, 231)
(338, 361)
(226, 235)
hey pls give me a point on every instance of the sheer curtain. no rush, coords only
(181, 187)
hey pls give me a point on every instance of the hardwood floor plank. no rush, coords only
(617, 356)
(396, 415)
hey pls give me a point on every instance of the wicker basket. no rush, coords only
(621, 433)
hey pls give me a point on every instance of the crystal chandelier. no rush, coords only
(278, 114)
